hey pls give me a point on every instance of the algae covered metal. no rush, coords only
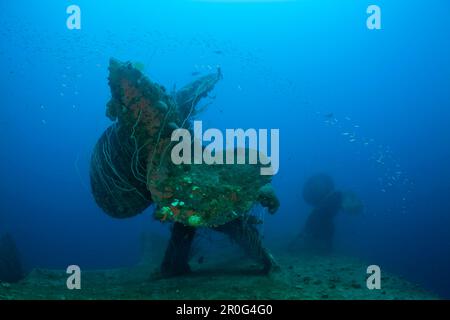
(131, 167)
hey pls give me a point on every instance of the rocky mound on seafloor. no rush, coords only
(301, 278)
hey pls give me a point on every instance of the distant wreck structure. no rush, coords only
(10, 266)
(131, 167)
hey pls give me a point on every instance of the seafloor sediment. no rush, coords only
(333, 277)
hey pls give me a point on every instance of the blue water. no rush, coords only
(286, 65)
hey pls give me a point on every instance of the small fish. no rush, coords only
(352, 140)
(201, 260)
(220, 52)
(195, 73)
(329, 115)
(44, 122)
(346, 133)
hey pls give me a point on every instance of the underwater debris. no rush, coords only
(317, 234)
(189, 96)
(139, 66)
(10, 265)
(119, 162)
(131, 166)
(216, 193)
(351, 203)
(268, 199)
(113, 180)
(195, 221)
(316, 188)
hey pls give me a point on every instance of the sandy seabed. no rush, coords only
(300, 277)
